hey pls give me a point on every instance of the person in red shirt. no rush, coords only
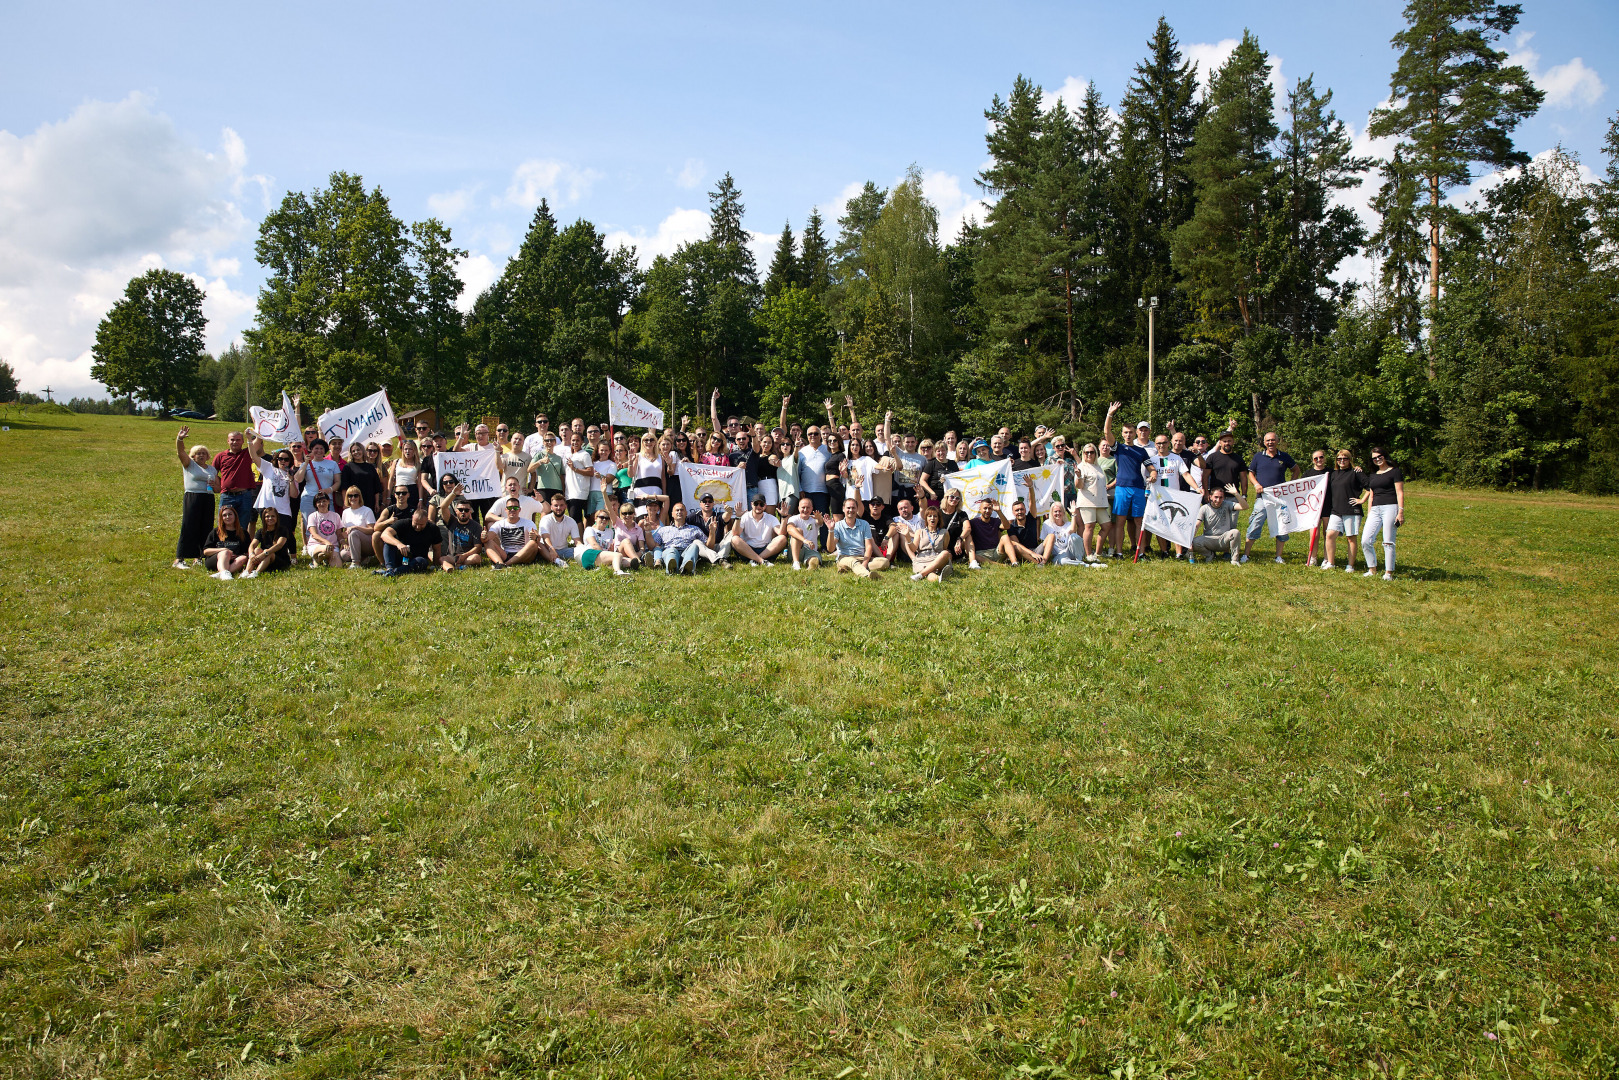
(237, 484)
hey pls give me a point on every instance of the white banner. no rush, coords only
(281, 427)
(993, 480)
(1295, 505)
(477, 471)
(624, 406)
(727, 483)
(1172, 514)
(364, 420)
(1040, 487)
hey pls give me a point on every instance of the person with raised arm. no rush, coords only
(201, 481)
(1130, 487)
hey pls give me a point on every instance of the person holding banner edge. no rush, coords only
(1270, 466)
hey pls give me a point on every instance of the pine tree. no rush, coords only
(1399, 247)
(785, 270)
(1455, 101)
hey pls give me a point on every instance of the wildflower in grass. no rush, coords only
(1490, 1035)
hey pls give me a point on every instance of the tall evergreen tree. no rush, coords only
(1401, 250)
(785, 270)
(846, 297)
(439, 339)
(727, 233)
(1153, 192)
(1455, 102)
(1219, 251)
(815, 261)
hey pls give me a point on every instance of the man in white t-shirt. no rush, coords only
(803, 533)
(559, 533)
(756, 535)
(1165, 468)
(511, 541)
(904, 522)
(579, 477)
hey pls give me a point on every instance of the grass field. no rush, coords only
(1157, 820)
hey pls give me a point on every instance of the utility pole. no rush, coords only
(1152, 309)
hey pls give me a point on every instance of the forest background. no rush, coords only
(1482, 352)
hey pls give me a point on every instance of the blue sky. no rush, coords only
(158, 134)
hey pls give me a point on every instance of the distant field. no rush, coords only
(1155, 820)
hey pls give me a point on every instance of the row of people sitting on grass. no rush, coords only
(1104, 493)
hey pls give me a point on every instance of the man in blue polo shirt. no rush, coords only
(1270, 466)
(1130, 489)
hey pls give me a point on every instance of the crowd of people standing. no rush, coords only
(829, 494)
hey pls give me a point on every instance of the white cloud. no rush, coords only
(1071, 94)
(556, 181)
(90, 201)
(680, 227)
(691, 175)
(450, 205)
(955, 206)
(478, 272)
(1566, 85)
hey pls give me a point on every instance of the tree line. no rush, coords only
(1483, 350)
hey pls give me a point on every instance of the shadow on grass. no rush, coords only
(1436, 573)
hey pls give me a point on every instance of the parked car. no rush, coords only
(188, 414)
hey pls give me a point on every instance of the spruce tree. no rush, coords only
(815, 259)
(784, 267)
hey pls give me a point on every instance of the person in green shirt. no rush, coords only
(545, 470)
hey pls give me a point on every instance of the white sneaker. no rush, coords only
(1328, 566)
(1310, 561)
(621, 573)
(355, 566)
(1388, 577)
(179, 564)
(975, 565)
(1280, 560)
(916, 577)
(1350, 569)
(757, 565)
(798, 566)
(250, 574)
(1243, 559)
(561, 562)
(1370, 573)
(223, 575)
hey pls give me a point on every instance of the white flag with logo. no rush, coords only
(1295, 505)
(1172, 514)
(1041, 487)
(991, 479)
(477, 471)
(624, 406)
(727, 483)
(361, 421)
(276, 426)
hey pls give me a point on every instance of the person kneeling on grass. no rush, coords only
(411, 545)
(269, 548)
(461, 539)
(677, 543)
(512, 540)
(224, 552)
(928, 545)
(1219, 519)
(857, 551)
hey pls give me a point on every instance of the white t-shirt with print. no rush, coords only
(758, 533)
(513, 534)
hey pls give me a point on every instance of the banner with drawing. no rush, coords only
(1172, 514)
(361, 421)
(993, 480)
(727, 483)
(276, 426)
(1039, 487)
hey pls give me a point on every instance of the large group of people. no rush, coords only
(816, 495)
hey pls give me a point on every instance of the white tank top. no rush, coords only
(649, 468)
(405, 475)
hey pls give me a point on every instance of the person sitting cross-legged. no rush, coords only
(756, 535)
(857, 551)
(512, 540)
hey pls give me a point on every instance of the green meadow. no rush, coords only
(1157, 820)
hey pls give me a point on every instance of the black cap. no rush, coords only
(706, 497)
(758, 500)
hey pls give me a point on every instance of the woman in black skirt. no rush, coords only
(197, 515)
